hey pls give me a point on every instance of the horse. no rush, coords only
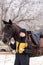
(12, 30)
(37, 42)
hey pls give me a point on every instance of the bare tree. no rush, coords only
(6, 10)
(20, 10)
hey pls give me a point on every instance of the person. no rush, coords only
(23, 49)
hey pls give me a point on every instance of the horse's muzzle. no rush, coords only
(4, 40)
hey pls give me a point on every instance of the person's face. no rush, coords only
(21, 34)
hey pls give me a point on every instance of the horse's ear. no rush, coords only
(10, 22)
(4, 22)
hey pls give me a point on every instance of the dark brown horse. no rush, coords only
(37, 49)
(12, 30)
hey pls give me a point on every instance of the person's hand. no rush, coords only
(21, 50)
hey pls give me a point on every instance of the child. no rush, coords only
(23, 49)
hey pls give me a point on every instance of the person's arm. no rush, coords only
(29, 48)
(13, 44)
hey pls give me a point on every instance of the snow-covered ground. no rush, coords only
(36, 60)
(7, 59)
(10, 58)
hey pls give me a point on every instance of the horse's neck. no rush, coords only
(16, 27)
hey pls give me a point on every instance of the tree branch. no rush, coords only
(19, 10)
(8, 7)
(24, 20)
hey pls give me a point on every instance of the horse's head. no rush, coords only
(7, 31)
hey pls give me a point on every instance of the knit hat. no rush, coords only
(23, 30)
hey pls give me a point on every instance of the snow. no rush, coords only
(9, 59)
(36, 60)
